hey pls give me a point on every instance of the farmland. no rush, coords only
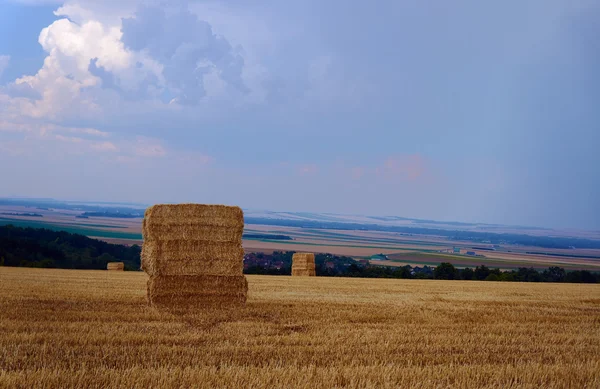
(401, 248)
(73, 329)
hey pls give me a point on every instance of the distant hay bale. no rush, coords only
(193, 254)
(303, 264)
(118, 266)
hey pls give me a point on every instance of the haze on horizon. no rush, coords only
(472, 112)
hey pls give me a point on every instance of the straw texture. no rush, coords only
(117, 266)
(199, 291)
(193, 254)
(303, 264)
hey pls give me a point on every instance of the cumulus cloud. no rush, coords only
(151, 56)
(64, 75)
(188, 49)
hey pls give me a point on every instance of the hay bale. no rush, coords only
(199, 291)
(215, 223)
(303, 264)
(178, 257)
(117, 266)
(193, 254)
(303, 273)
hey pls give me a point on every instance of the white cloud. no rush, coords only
(43, 129)
(104, 146)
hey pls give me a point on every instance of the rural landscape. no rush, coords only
(299, 194)
(94, 328)
(390, 242)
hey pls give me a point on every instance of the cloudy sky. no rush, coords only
(464, 110)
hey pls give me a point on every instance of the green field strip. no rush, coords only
(72, 229)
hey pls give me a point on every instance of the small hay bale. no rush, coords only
(117, 266)
(303, 264)
(193, 254)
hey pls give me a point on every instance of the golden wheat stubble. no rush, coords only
(75, 329)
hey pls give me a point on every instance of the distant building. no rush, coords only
(471, 253)
(379, 257)
(456, 250)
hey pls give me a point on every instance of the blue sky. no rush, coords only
(468, 111)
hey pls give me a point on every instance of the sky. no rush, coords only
(465, 111)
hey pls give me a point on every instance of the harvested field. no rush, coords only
(75, 329)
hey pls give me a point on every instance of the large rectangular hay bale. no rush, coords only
(194, 256)
(192, 291)
(180, 257)
(192, 239)
(218, 223)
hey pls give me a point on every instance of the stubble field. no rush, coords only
(93, 329)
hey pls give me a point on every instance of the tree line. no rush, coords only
(328, 265)
(39, 247)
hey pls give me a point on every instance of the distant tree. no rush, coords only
(37, 247)
(582, 276)
(404, 272)
(467, 273)
(492, 277)
(445, 271)
(481, 272)
(507, 276)
(554, 274)
(528, 275)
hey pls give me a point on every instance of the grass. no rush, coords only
(93, 329)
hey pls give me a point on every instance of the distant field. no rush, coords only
(93, 329)
(514, 262)
(74, 229)
(415, 250)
